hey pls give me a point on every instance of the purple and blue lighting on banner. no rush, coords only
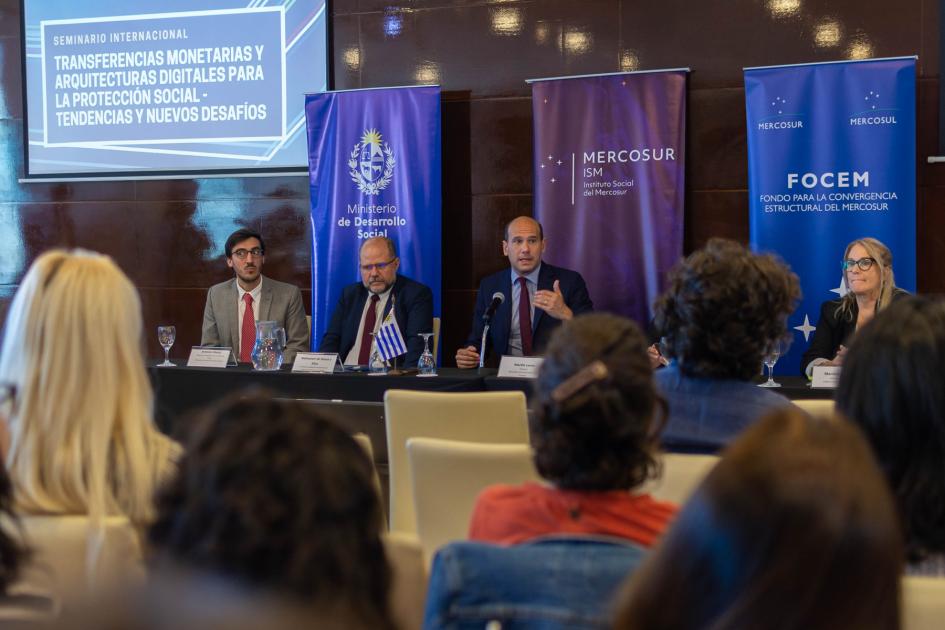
(831, 151)
(374, 170)
(609, 181)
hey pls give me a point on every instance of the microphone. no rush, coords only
(497, 298)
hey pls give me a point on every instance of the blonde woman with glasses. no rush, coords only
(82, 439)
(870, 285)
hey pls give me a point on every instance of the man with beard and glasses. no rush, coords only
(234, 307)
(364, 305)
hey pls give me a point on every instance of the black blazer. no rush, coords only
(413, 308)
(572, 287)
(832, 332)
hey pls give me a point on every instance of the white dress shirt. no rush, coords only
(352, 358)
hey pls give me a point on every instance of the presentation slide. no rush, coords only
(146, 87)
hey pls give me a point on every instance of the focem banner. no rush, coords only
(831, 158)
(374, 170)
(609, 166)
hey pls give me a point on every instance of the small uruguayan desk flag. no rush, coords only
(390, 343)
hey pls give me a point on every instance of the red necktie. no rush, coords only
(364, 355)
(248, 332)
(525, 317)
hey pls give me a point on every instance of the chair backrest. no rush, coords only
(682, 472)
(549, 584)
(474, 417)
(436, 340)
(448, 475)
(409, 581)
(923, 603)
(81, 562)
(816, 407)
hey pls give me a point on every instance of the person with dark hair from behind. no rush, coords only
(596, 415)
(723, 308)
(793, 529)
(891, 386)
(273, 496)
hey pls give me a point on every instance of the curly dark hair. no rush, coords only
(600, 437)
(276, 496)
(724, 305)
(793, 528)
(891, 387)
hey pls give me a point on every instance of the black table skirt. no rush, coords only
(179, 390)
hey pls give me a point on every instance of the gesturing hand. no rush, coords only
(552, 302)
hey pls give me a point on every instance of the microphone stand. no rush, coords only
(482, 348)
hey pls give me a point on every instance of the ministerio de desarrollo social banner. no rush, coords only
(831, 158)
(374, 170)
(609, 166)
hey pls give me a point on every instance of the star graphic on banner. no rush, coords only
(623, 83)
(543, 166)
(552, 180)
(872, 96)
(546, 100)
(806, 328)
(549, 158)
(560, 162)
(840, 290)
(779, 103)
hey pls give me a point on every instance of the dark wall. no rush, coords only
(167, 235)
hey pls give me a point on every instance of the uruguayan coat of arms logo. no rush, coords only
(371, 163)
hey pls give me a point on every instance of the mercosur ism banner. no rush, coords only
(831, 152)
(609, 170)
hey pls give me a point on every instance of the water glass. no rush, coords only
(426, 366)
(166, 337)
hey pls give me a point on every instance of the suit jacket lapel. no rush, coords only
(546, 282)
(233, 298)
(393, 302)
(265, 301)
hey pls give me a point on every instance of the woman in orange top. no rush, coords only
(596, 417)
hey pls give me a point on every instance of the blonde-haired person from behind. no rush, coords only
(82, 437)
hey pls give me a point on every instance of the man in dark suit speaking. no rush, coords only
(523, 320)
(364, 305)
(233, 307)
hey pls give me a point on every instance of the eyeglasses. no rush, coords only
(379, 266)
(242, 253)
(863, 263)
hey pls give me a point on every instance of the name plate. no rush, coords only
(519, 367)
(826, 376)
(315, 362)
(209, 357)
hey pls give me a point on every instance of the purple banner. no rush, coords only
(609, 176)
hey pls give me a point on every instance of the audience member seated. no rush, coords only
(26, 591)
(553, 583)
(723, 308)
(793, 529)
(82, 439)
(891, 386)
(272, 496)
(870, 287)
(596, 415)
